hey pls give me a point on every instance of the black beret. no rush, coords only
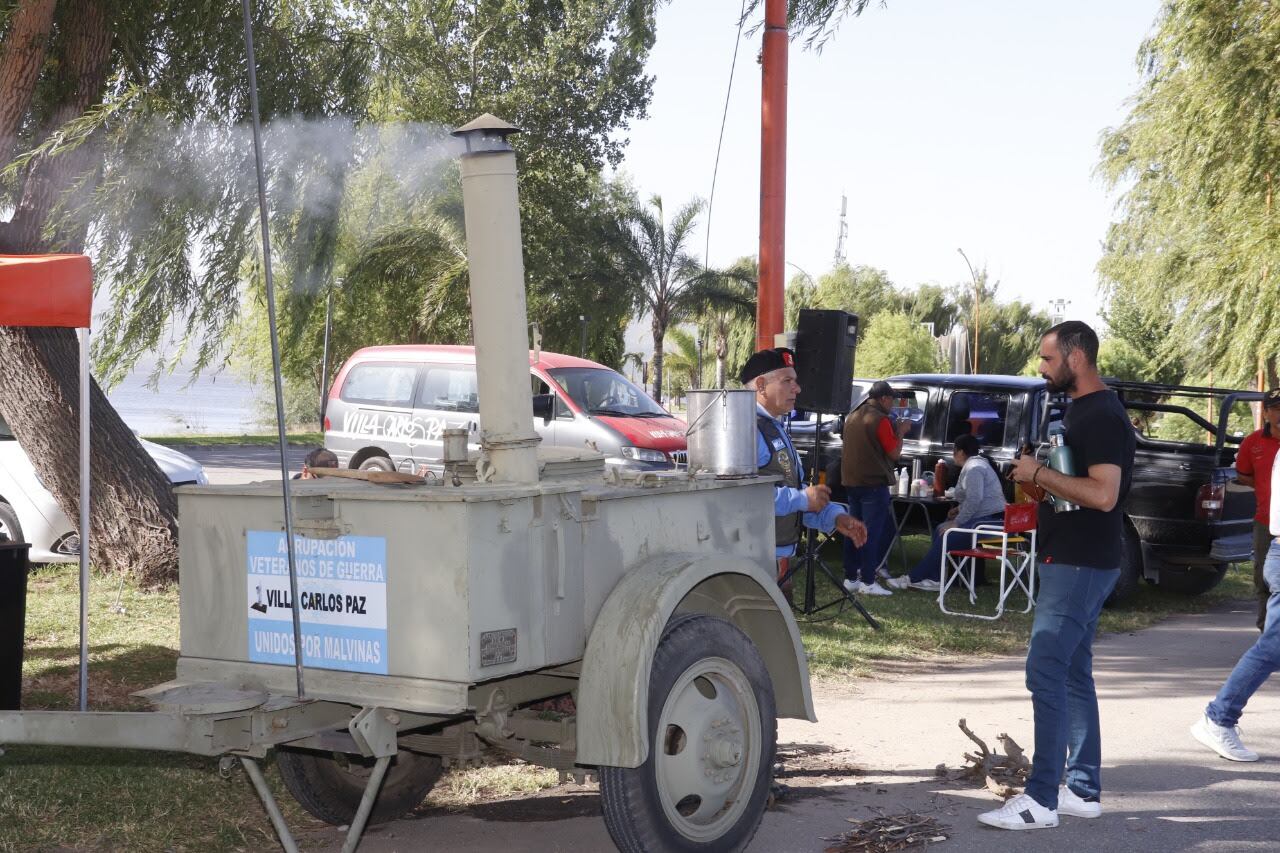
(766, 361)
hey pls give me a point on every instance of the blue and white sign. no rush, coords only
(342, 590)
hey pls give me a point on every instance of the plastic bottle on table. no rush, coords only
(940, 478)
(904, 482)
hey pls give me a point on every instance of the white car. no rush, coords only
(28, 513)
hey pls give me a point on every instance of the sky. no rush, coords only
(948, 125)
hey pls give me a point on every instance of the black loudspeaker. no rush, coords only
(825, 344)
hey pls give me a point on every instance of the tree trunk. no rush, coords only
(132, 512)
(722, 353)
(24, 50)
(84, 59)
(659, 332)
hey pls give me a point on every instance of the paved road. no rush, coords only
(244, 463)
(1164, 792)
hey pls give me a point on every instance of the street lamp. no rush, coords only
(977, 299)
(803, 273)
(583, 319)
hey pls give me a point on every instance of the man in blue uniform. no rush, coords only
(771, 374)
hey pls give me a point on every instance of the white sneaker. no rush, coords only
(1223, 740)
(1021, 812)
(860, 588)
(1071, 803)
(882, 573)
(900, 582)
(927, 585)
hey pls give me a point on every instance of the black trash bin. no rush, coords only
(13, 618)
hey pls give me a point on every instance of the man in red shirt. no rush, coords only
(1253, 468)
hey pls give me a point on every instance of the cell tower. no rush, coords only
(844, 229)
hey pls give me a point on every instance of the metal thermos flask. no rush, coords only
(1062, 461)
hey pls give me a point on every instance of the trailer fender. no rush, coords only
(613, 693)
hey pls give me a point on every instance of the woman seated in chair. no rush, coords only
(981, 501)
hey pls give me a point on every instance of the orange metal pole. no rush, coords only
(773, 173)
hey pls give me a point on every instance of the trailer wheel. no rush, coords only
(329, 785)
(712, 740)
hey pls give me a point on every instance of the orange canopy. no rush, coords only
(46, 290)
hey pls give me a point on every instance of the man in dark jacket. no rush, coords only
(872, 443)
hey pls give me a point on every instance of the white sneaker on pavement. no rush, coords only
(927, 585)
(860, 588)
(900, 582)
(1071, 803)
(1223, 740)
(1021, 812)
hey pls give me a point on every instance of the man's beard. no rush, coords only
(1064, 383)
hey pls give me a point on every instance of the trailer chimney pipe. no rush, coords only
(499, 319)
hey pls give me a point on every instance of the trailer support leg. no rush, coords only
(273, 810)
(366, 804)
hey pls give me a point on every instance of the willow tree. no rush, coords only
(1197, 159)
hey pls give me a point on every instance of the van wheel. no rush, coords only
(377, 463)
(712, 741)
(1192, 581)
(9, 524)
(329, 785)
(1130, 568)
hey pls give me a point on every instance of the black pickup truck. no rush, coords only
(1186, 520)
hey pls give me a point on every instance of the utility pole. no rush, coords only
(773, 173)
(977, 299)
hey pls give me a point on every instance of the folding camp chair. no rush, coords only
(1012, 544)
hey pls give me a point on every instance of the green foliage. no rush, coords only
(356, 100)
(1119, 359)
(896, 343)
(1009, 332)
(1198, 241)
(861, 290)
(816, 21)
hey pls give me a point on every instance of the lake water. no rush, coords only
(212, 405)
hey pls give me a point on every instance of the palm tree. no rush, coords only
(727, 301)
(683, 361)
(667, 276)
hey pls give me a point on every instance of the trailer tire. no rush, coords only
(709, 693)
(329, 785)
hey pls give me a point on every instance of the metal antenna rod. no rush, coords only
(275, 344)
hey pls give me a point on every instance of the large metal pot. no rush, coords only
(722, 432)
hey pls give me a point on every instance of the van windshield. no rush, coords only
(600, 391)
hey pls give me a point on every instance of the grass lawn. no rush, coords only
(309, 439)
(83, 799)
(913, 628)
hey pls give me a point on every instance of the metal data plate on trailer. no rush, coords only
(497, 647)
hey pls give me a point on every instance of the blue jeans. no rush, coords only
(1262, 658)
(930, 565)
(870, 505)
(1060, 678)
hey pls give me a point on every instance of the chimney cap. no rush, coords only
(489, 123)
(486, 135)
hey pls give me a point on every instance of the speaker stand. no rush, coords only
(810, 559)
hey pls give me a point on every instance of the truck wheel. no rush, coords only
(330, 784)
(377, 463)
(712, 739)
(1130, 568)
(1192, 581)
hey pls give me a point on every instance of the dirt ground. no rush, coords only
(878, 742)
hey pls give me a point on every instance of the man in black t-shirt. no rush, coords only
(1078, 550)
